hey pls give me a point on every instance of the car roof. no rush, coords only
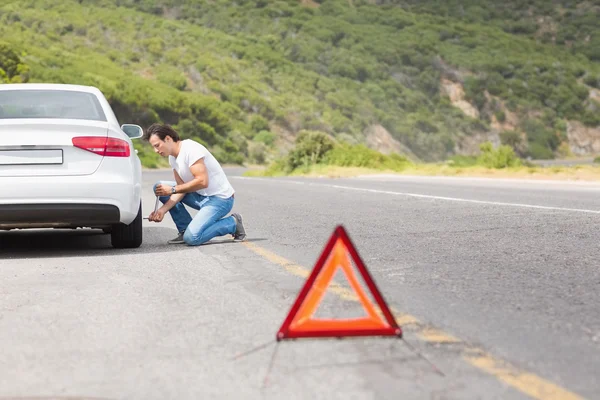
(48, 86)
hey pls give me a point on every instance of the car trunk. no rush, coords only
(46, 147)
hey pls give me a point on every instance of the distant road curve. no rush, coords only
(565, 163)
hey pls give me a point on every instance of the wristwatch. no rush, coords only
(173, 191)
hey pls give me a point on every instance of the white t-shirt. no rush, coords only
(190, 152)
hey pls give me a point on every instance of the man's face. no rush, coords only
(161, 147)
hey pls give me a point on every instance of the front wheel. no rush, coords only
(128, 236)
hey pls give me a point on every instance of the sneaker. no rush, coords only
(177, 240)
(240, 232)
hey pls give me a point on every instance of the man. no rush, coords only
(200, 183)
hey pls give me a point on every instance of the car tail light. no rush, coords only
(104, 146)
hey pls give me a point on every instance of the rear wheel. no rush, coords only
(128, 236)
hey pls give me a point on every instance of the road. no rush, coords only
(564, 163)
(496, 285)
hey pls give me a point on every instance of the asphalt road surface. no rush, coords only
(496, 285)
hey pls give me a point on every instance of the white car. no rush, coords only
(66, 163)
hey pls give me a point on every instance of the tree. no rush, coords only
(12, 69)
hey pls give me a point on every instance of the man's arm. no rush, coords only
(165, 190)
(200, 181)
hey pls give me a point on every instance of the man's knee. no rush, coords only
(192, 238)
(156, 184)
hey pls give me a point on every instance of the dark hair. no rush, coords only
(162, 131)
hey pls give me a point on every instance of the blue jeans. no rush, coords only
(207, 223)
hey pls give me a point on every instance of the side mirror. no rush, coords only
(133, 131)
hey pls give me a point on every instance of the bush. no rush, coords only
(259, 123)
(172, 78)
(257, 152)
(265, 137)
(502, 157)
(593, 81)
(148, 157)
(500, 116)
(538, 151)
(310, 148)
(514, 140)
(346, 155)
(12, 69)
(227, 157)
(316, 148)
(542, 140)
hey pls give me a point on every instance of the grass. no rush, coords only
(566, 173)
(317, 155)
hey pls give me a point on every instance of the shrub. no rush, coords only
(346, 155)
(538, 151)
(259, 123)
(257, 152)
(265, 137)
(592, 80)
(227, 157)
(148, 157)
(310, 148)
(174, 79)
(12, 69)
(502, 157)
(515, 140)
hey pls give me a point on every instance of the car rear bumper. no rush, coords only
(110, 195)
(57, 215)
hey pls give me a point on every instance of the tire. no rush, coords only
(128, 236)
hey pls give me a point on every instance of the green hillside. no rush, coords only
(572, 24)
(247, 77)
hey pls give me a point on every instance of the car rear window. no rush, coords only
(50, 104)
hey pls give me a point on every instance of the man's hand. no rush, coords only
(163, 190)
(156, 216)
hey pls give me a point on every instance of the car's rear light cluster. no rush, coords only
(104, 146)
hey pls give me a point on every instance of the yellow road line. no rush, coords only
(530, 384)
(436, 336)
(404, 319)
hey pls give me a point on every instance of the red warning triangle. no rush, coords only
(299, 322)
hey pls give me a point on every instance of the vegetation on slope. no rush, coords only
(242, 75)
(381, 45)
(572, 24)
(12, 68)
(315, 150)
(315, 154)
